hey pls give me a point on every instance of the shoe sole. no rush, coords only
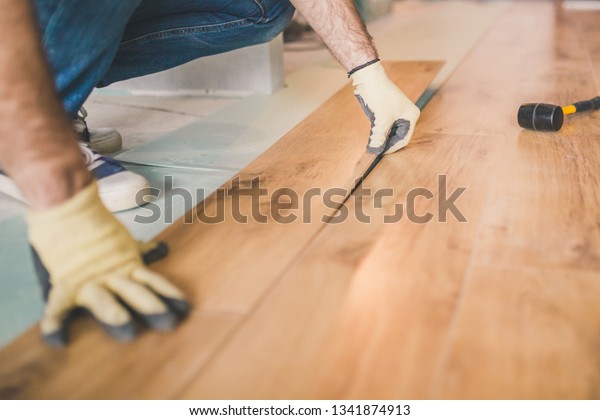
(105, 145)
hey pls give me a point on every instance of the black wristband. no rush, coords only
(355, 69)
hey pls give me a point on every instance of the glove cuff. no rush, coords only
(74, 205)
(369, 75)
(80, 238)
(362, 66)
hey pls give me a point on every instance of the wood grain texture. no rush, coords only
(526, 333)
(545, 210)
(324, 151)
(225, 268)
(95, 367)
(364, 312)
(504, 306)
(527, 322)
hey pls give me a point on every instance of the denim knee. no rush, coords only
(103, 13)
(153, 45)
(80, 42)
(278, 14)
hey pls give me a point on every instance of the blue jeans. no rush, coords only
(95, 43)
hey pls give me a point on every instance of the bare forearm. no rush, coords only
(38, 147)
(338, 23)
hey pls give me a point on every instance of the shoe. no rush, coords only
(100, 140)
(118, 187)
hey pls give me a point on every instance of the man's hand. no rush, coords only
(38, 147)
(94, 263)
(393, 116)
(92, 260)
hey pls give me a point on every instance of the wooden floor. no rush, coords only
(505, 305)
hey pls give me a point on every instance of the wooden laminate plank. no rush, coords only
(331, 292)
(527, 326)
(324, 151)
(500, 307)
(486, 92)
(225, 268)
(526, 334)
(364, 311)
(96, 367)
(545, 206)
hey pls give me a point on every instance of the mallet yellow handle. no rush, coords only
(569, 109)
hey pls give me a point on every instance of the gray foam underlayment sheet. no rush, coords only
(206, 154)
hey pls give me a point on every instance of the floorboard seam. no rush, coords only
(536, 268)
(589, 55)
(446, 347)
(280, 277)
(449, 133)
(253, 309)
(151, 108)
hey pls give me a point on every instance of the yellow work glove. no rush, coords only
(95, 264)
(393, 116)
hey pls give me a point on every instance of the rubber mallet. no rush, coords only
(546, 117)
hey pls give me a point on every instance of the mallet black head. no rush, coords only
(541, 117)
